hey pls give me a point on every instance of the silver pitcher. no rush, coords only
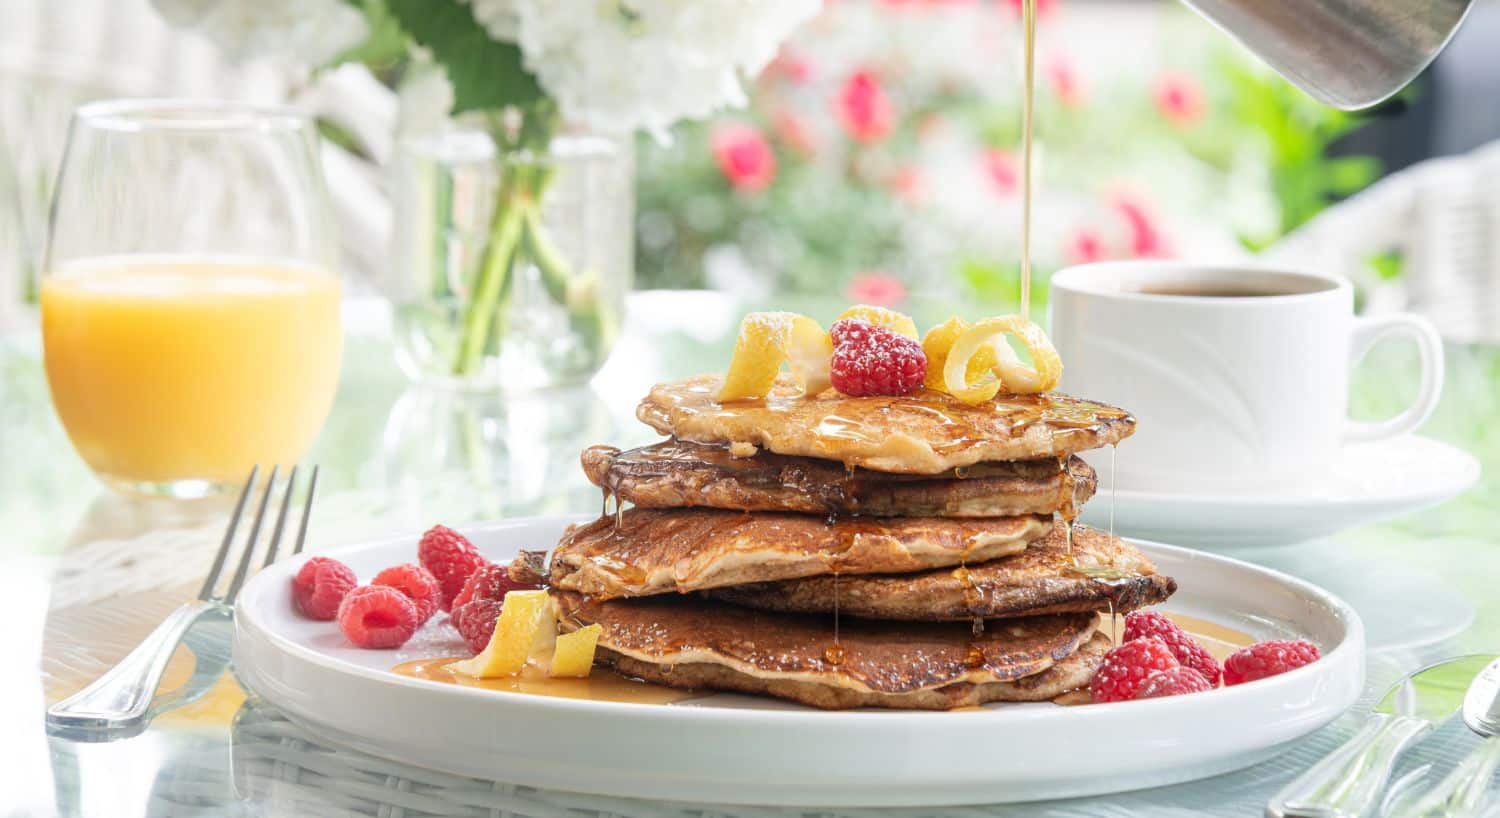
(1347, 53)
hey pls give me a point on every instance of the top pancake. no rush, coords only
(926, 432)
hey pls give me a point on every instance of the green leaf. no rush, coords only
(386, 43)
(1255, 244)
(1387, 265)
(995, 282)
(486, 75)
(1349, 174)
(340, 136)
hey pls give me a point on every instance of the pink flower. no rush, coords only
(907, 184)
(1084, 246)
(1063, 80)
(792, 131)
(932, 126)
(1179, 97)
(1146, 239)
(793, 65)
(863, 107)
(743, 155)
(876, 288)
(1003, 169)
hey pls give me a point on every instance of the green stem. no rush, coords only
(577, 293)
(492, 284)
(518, 234)
(548, 259)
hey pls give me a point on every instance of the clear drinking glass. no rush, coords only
(190, 312)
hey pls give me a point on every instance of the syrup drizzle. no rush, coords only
(1112, 449)
(834, 654)
(1028, 22)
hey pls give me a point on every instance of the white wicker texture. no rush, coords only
(1443, 216)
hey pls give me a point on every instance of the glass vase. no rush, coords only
(509, 269)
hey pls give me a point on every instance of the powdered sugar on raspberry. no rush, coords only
(873, 360)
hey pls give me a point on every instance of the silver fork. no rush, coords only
(119, 702)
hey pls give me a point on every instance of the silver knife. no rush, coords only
(1461, 791)
(1348, 783)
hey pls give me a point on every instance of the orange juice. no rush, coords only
(170, 369)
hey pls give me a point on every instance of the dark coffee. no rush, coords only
(1211, 289)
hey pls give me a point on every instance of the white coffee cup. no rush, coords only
(1244, 385)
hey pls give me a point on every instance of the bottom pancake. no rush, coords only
(1072, 673)
(1098, 573)
(869, 659)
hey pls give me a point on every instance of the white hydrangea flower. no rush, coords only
(425, 98)
(628, 64)
(498, 17)
(313, 31)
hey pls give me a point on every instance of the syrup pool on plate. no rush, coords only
(1218, 640)
(602, 685)
(167, 369)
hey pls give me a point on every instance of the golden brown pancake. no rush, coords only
(926, 432)
(1072, 673)
(870, 659)
(653, 551)
(1043, 579)
(677, 474)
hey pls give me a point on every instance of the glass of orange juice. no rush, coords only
(190, 312)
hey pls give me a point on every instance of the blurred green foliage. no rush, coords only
(811, 228)
(1297, 132)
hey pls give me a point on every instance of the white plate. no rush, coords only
(1368, 483)
(736, 749)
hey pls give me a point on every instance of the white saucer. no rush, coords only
(736, 749)
(1369, 482)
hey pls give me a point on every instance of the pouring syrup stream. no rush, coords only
(1028, 23)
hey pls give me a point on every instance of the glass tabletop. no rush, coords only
(89, 573)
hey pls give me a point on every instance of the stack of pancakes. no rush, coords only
(911, 552)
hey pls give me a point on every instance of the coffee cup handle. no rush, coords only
(1369, 330)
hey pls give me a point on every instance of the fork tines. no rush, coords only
(247, 554)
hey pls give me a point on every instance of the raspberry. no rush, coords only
(1269, 658)
(475, 621)
(1127, 666)
(1172, 682)
(320, 585)
(377, 616)
(450, 558)
(872, 360)
(419, 585)
(491, 581)
(1187, 650)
